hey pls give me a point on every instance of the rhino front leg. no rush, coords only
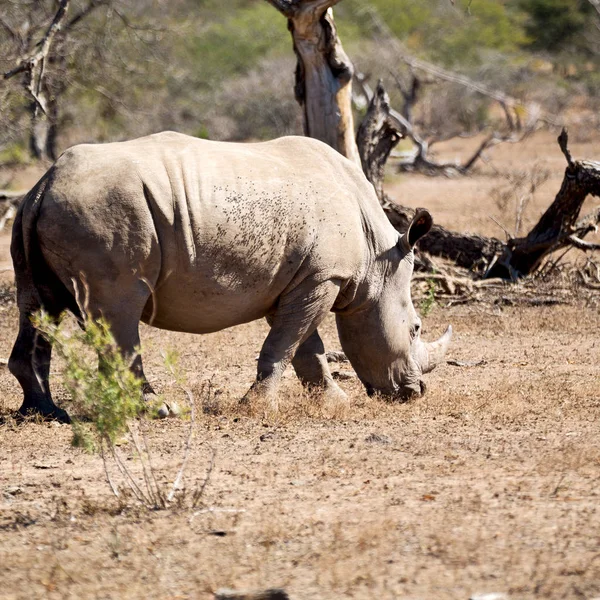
(310, 364)
(296, 317)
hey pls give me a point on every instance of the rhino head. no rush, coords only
(382, 338)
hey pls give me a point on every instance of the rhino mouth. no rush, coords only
(401, 394)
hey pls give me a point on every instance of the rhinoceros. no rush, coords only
(195, 236)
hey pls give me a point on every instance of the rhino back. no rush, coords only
(220, 230)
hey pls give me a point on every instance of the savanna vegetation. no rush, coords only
(123, 68)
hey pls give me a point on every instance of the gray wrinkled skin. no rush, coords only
(196, 236)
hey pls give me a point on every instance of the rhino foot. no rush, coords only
(46, 411)
(260, 398)
(329, 391)
(168, 409)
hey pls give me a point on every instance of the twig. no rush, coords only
(199, 492)
(113, 487)
(33, 66)
(133, 486)
(147, 477)
(85, 11)
(214, 509)
(506, 231)
(159, 495)
(188, 445)
(153, 296)
(466, 363)
(563, 140)
(10, 195)
(582, 244)
(588, 222)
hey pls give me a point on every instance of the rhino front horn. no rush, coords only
(433, 353)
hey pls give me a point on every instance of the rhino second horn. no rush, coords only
(430, 355)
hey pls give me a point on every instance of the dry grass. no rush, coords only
(490, 483)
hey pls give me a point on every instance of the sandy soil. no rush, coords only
(489, 483)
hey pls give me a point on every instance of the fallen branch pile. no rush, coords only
(450, 285)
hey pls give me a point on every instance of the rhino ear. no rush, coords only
(419, 226)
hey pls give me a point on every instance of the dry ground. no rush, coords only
(490, 483)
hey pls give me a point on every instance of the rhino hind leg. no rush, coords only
(29, 362)
(310, 364)
(295, 318)
(122, 309)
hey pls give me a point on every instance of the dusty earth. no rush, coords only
(489, 483)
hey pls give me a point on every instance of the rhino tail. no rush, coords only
(33, 275)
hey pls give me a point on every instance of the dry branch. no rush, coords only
(43, 108)
(10, 195)
(420, 160)
(559, 226)
(32, 64)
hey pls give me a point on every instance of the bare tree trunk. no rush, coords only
(377, 135)
(44, 107)
(323, 74)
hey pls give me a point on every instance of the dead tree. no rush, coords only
(43, 109)
(559, 227)
(33, 66)
(420, 161)
(323, 73)
(377, 135)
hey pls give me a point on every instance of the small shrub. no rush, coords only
(428, 301)
(106, 396)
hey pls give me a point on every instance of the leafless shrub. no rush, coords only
(210, 397)
(258, 105)
(516, 192)
(449, 109)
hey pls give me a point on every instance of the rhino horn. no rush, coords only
(430, 355)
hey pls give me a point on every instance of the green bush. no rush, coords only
(553, 25)
(234, 46)
(106, 397)
(445, 33)
(14, 154)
